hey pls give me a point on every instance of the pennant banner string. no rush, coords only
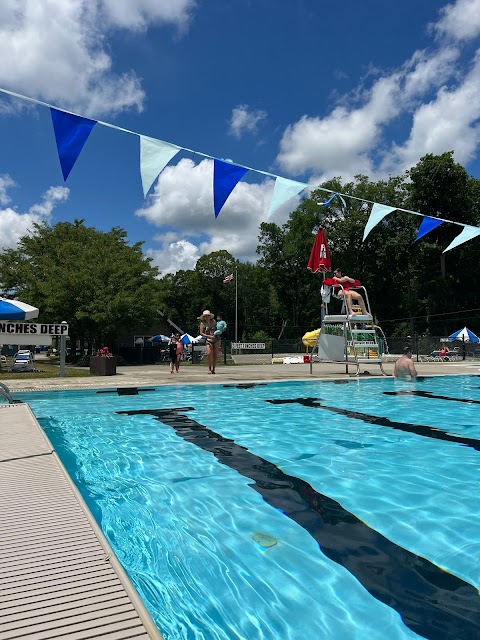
(205, 155)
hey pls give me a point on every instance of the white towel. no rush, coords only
(326, 292)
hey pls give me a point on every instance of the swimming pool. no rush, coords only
(287, 510)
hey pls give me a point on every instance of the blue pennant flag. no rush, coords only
(71, 133)
(225, 178)
(334, 195)
(428, 224)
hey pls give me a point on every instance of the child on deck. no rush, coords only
(221, 326)
(175, 348)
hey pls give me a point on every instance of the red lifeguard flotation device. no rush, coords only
(346, 285)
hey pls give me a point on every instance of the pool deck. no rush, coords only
(59, 578)
(155, 375)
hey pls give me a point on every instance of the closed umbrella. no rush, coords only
(464, 334)
(320, 255)
(16, 310)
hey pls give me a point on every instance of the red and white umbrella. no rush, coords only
(320, 255)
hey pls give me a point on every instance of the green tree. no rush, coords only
(95, 281)
(440, 186)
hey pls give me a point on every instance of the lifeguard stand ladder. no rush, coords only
(348, 339)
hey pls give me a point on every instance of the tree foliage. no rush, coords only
(95, 281)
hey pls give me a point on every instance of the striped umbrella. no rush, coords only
(16, 310)
(464, 334)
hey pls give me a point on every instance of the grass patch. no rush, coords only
(45, 370)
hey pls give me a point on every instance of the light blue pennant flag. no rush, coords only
(154, 157)
(283, 190)
(225, 178)
(467, 234)
(378, 212)
(428, 224)
(71, 133)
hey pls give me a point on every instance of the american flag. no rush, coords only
(228, 278)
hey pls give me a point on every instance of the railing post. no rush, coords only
(63, 342)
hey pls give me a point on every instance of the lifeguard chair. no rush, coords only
(344, 338)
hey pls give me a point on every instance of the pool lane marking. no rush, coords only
(126, 391)
(429, 394)
(432, 602)
(418, 429)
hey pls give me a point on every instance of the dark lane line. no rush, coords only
(126, 391)
(433, 603)
(429, 394)
(418, 429)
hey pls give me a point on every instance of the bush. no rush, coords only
(83, 361)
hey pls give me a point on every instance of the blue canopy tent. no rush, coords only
(186, 338)
(465, 335)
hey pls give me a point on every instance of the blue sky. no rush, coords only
(300, 88)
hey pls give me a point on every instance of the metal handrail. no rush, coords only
(5, 392)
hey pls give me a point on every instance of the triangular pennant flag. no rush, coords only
(428, 224)
(71, 133)
(284, 190)
(225, 178)
(154, 157)
(325, 203)
(334, 195)
(467, 234)
(379, 211)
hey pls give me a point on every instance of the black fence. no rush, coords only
(264, 352)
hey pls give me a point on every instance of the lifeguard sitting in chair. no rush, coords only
(348, 292)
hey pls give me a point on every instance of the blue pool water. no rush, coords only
(312, 510)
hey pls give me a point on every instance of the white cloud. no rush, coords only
(174, 256)
(183, 200)
(50, 199)
(459, 20)
(5, 183)
(431, 90)
(14, 225)
(339, 143)
(57, 50)
(451, 121)
(139, 14)
(243, 120)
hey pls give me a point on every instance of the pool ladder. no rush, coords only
(5, 392)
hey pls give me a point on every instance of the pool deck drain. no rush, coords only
(59, 578)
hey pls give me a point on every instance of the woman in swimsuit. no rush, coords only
(350, 294)
(208, 326)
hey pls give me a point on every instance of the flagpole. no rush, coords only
(236, 304)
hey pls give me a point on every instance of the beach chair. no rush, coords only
(23, 362)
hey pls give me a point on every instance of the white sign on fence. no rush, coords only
(248, 345)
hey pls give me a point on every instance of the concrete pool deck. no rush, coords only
(59, 577)
(159, 374)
